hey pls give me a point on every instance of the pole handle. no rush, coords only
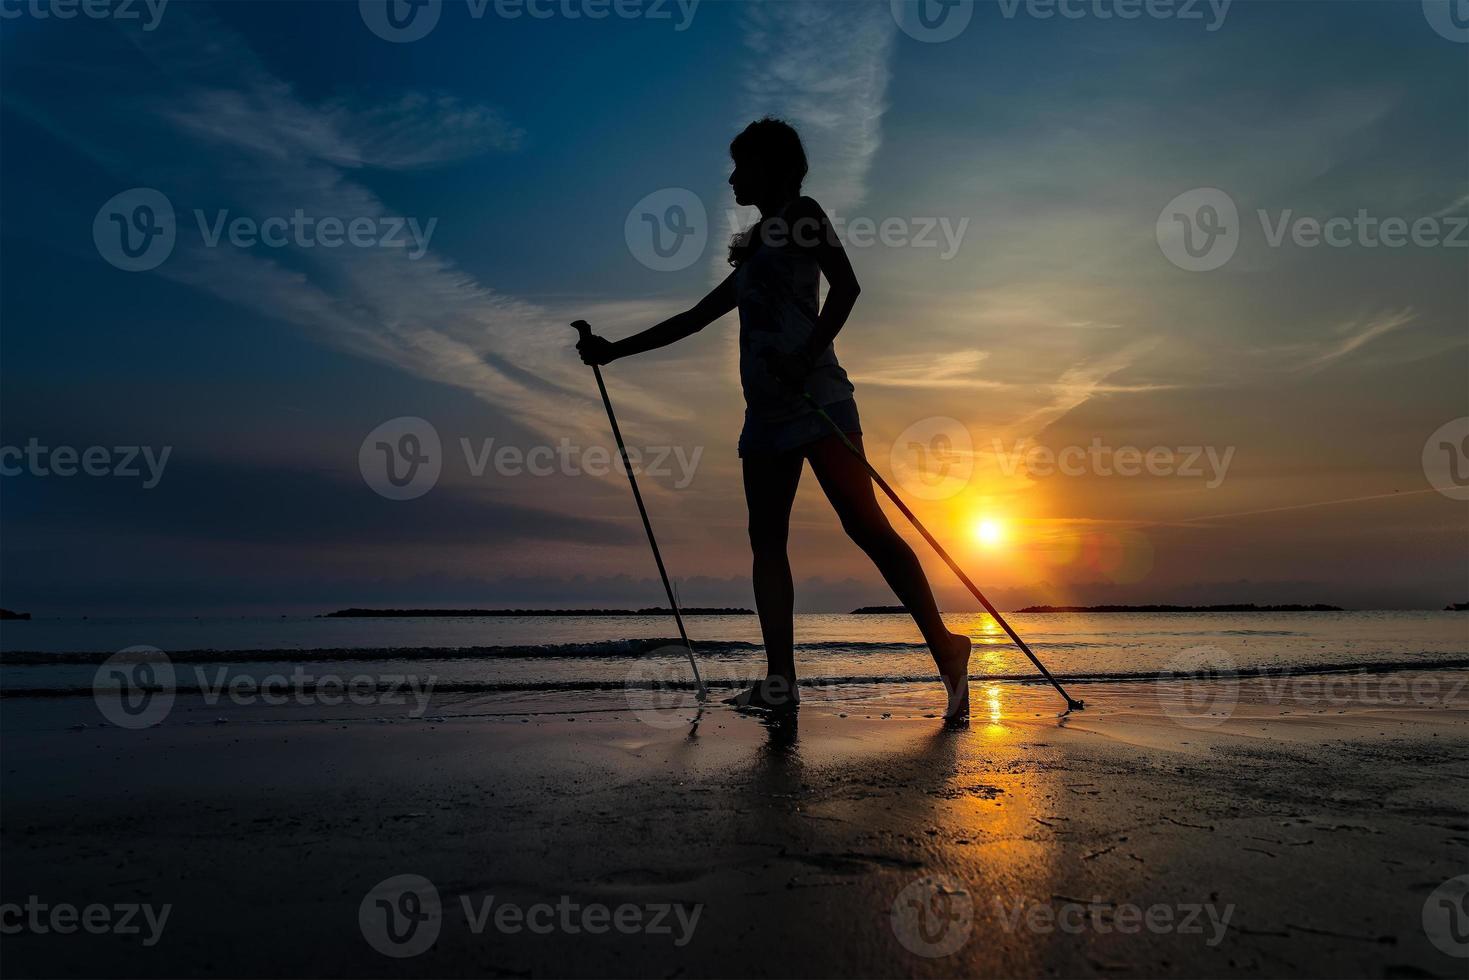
(583, 329)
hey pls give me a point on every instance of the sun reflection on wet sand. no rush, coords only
(991, 645)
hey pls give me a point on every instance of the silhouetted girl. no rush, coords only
(786, 352)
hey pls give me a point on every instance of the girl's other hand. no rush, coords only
(594, 350)
(790, 369)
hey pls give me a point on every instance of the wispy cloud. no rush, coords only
(410, 130)
(825, 68)
(424, 316)
(1080, 383)
(959, 369)
(234, 134)
(834, 93)
(1357, 333)
(418, 130)
(1453, 207)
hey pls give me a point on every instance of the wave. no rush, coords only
(389, 683)
(603, 649)
(617, 649)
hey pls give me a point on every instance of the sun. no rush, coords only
(989, 531)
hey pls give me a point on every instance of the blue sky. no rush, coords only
(1058, 319)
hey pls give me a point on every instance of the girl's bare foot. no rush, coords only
(775, 693)
(953, 663)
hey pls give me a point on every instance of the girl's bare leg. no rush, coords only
(770, 490)
(849, 488)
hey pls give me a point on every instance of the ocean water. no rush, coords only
(61, 656)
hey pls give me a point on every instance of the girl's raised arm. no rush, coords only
(721, 299)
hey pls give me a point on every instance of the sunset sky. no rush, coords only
(1317, 372)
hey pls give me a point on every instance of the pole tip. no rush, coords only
(1075, 705)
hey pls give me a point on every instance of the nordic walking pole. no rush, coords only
(584, 329)
(1071, 703)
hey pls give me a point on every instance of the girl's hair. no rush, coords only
(772, 147)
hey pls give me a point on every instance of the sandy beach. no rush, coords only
(1289, 832)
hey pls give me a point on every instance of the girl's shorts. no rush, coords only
(761, 438)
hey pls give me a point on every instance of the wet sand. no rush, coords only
(1290, 835)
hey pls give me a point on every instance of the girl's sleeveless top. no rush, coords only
(778, 294)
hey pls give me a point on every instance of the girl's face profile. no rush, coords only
(745, 181)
